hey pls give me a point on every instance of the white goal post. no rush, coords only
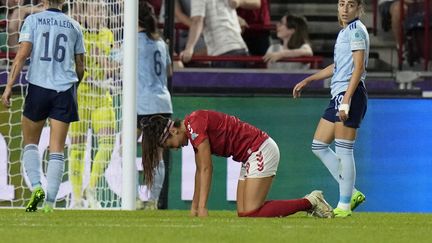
(114, 79)
(129, 125)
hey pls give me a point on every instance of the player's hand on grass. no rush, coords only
(5, 98)
(202, 212)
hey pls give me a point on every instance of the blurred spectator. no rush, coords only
(182, 15)
(222, 34)
(292, 30)
(390, 16)
(257, 40)
(414, 34)
(17, 12)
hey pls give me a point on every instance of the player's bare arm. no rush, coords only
(205, 170)
(322, 74)
(358, 59)
(195, 199)
(19, 61)
(79, 66)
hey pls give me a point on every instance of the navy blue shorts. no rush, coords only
(357, 109)
(41, 103)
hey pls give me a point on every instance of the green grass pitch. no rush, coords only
(222, 226)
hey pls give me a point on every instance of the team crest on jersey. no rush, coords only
(356, 35)
(191, 132)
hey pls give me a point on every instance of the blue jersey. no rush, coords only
(351, 38)
(152, 95)
(56, 38)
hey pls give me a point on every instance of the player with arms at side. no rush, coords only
(95, 104)
(347, 107)
(212, 132)
(54, 42)
(153, 97)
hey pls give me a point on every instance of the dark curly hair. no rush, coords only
(153, 129)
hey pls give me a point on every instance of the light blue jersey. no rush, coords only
(152, 95)
(351, 38)
(56, 39)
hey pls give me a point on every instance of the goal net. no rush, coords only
(92, 177)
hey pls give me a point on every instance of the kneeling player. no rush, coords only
(212, 132)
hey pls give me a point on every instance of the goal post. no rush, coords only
(129, 125)
(110, 32)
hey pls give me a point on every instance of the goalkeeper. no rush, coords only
(95, 105)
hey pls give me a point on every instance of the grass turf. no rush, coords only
(222, 226)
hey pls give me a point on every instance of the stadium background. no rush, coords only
(392, 155)
(392, 152)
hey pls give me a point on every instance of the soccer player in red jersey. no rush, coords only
(212, 132)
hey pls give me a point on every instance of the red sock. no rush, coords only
(279, 208)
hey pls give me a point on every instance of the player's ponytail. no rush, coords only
(147, 18)
(153, 128)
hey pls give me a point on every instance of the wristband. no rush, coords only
(344, 107)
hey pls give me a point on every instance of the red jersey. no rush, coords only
(227, 135)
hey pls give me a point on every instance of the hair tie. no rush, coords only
(165, 133)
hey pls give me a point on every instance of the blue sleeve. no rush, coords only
(79, 44)
(357, 39)
(26, 33)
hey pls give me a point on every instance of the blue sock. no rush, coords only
(32, 164)
(158, 181)
(54, 175)
(347, 174)
(327, 156)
